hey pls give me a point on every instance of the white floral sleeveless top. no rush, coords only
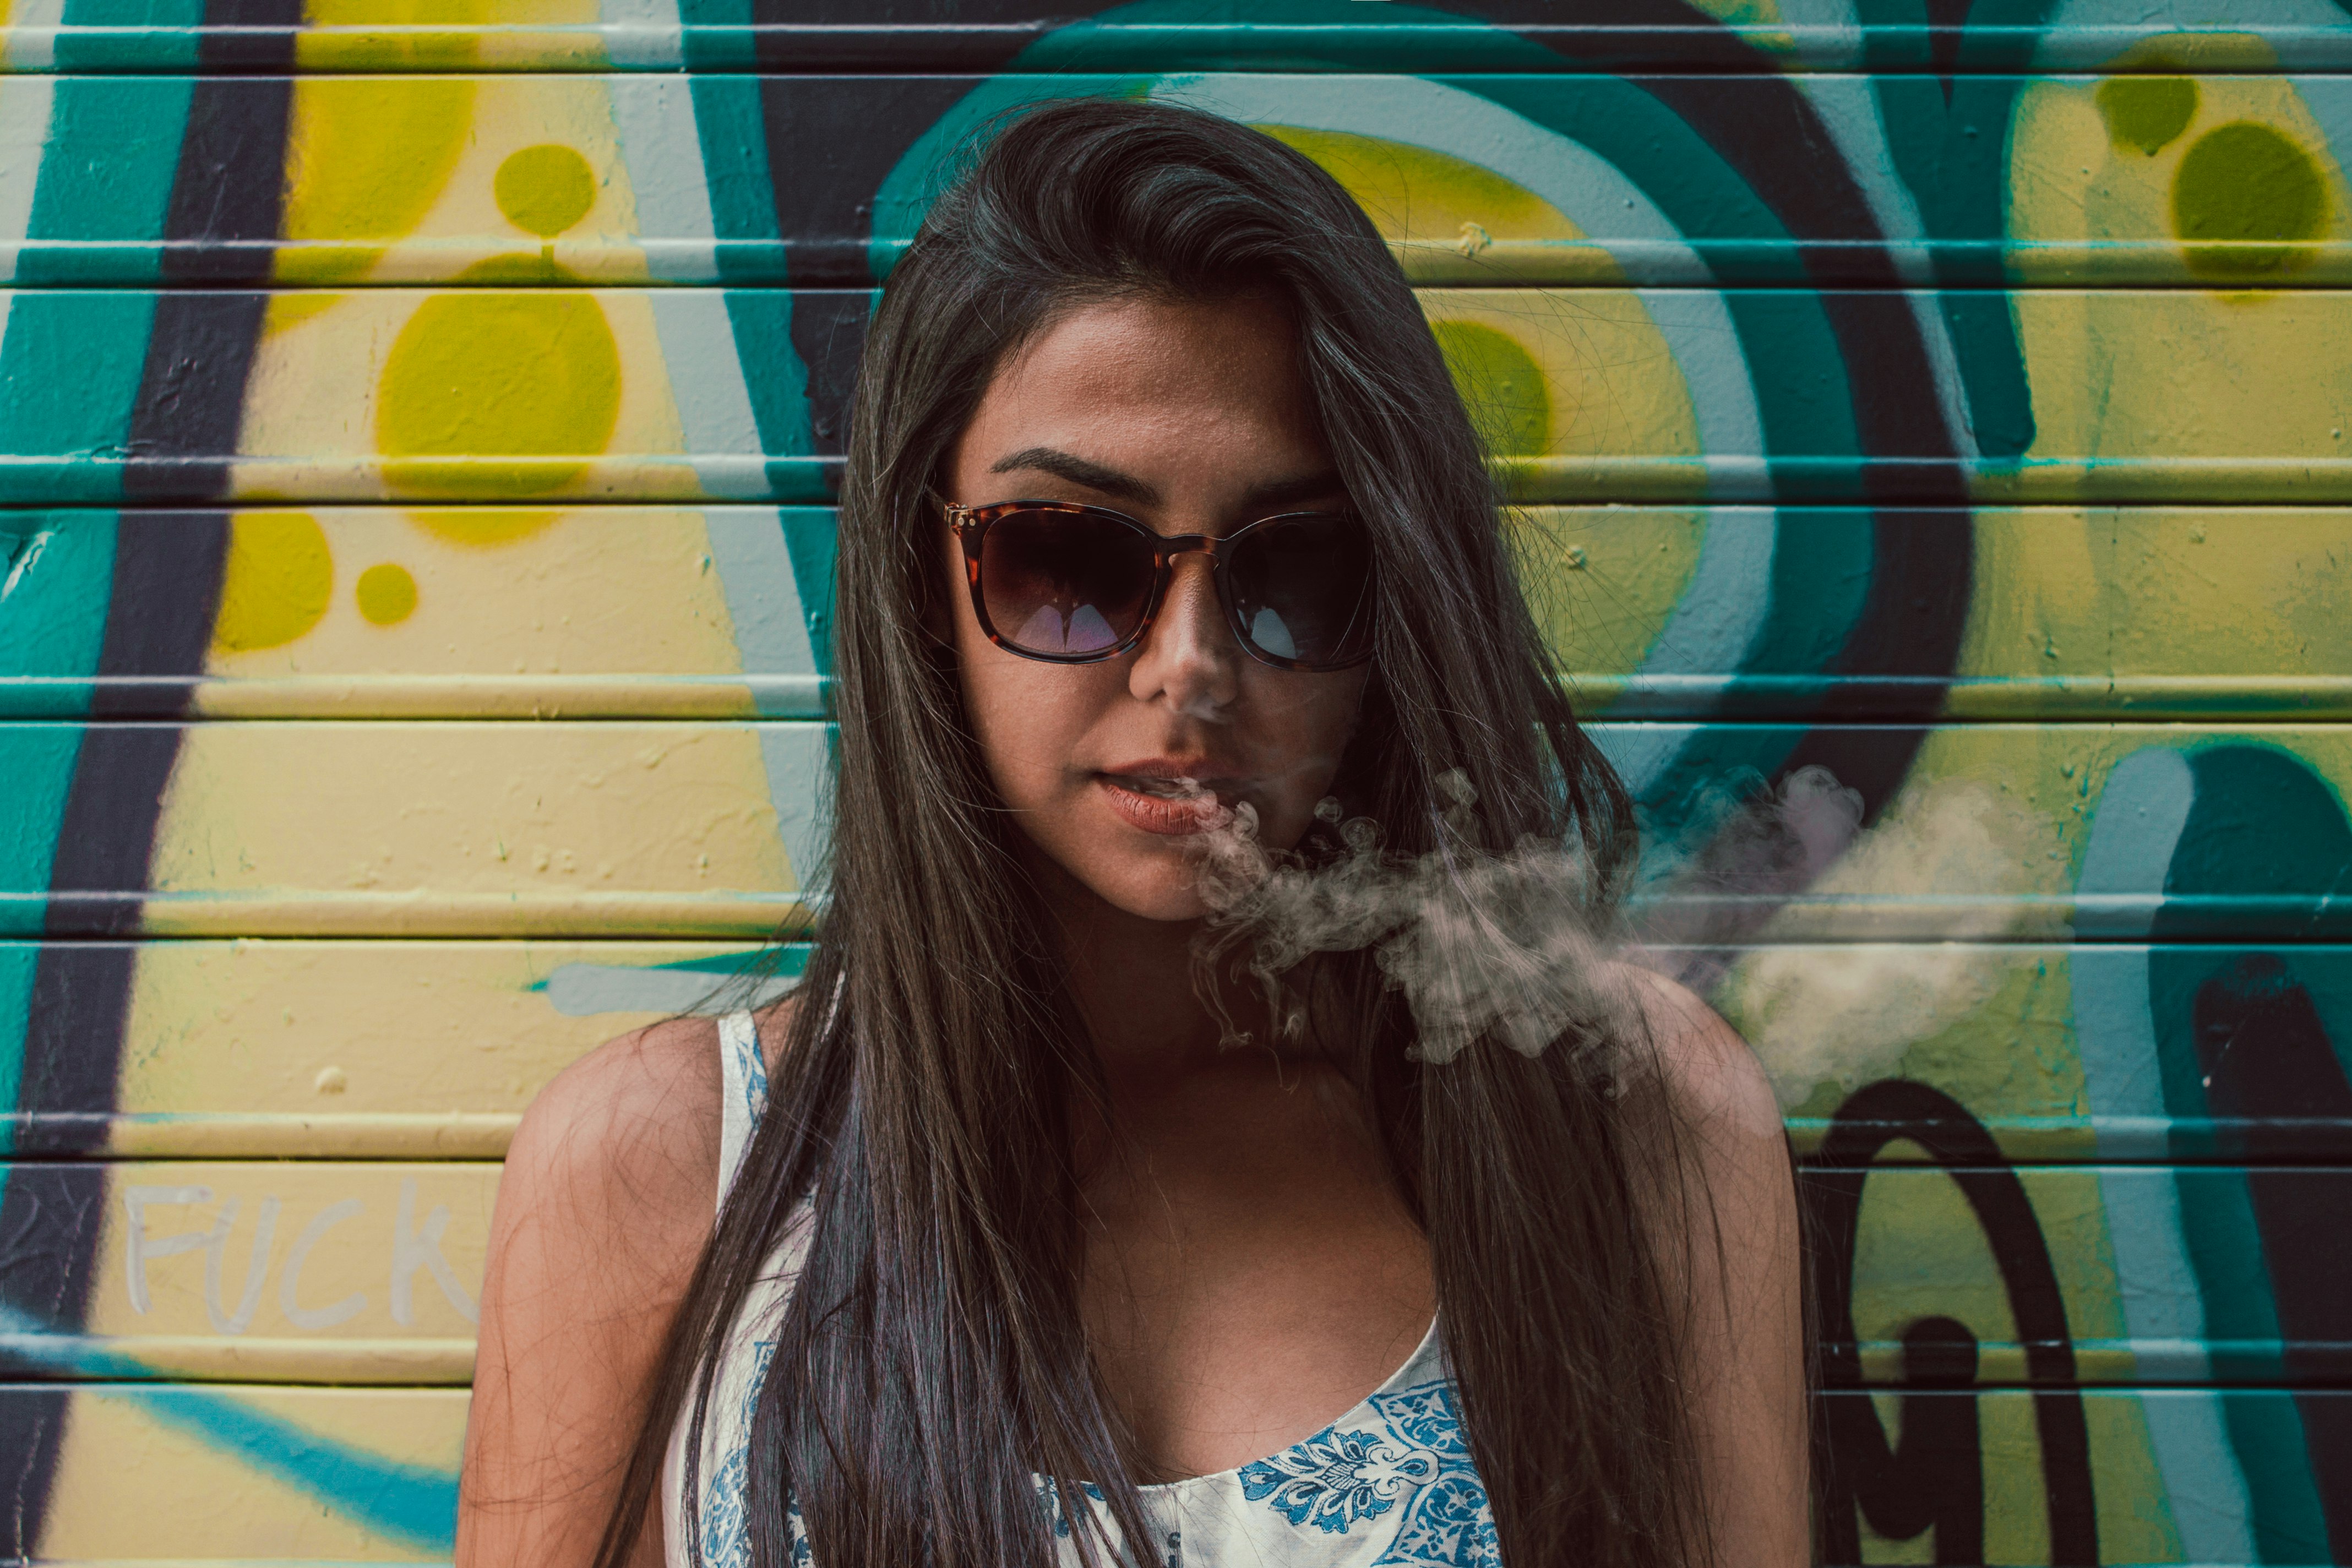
(1388, 1485)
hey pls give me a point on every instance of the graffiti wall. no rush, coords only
(417, 421)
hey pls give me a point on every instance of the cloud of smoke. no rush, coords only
(1847, 1014)
(1516, 947)
(1481, 944)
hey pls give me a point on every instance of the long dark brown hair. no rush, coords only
(931, 1367)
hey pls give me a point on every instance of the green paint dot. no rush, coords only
(1502, 386)
(2147, 111)
(2244, 201)
(545, 189)
(386, 594)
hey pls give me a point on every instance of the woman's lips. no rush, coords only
(1153, 806)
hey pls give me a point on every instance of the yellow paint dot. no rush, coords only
(490, 395)
(387, 593)
(482, 529)
(277, 583)
(545, 189)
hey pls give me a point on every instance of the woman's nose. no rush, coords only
(1189, 655)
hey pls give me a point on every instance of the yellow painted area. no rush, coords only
(1451, 220)
(2016, 1505)
(464, 808)
(1604, 581)
(1420, 193)
(1993, 1027)
(193, 1501)
(278, 582)
(366, 156)
(250, 1027)
(1612, 386)
(469, 393)
(2134, 1527)
(2130, 591)
(358, 1270)
(1742, 13)
(2185, 374)
(626, 590)
(386, 594)
(2204, 52)
(2043, 785)
(2013, 1053)
(291, 309)
(1919, 1252)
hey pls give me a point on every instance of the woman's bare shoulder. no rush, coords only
(626, 1137)
(607, 1199)
(1711, 1080)
(639, 1118)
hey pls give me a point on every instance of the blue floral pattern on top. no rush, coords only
(751, 1072)
(726, 1523)
(1405, 1450)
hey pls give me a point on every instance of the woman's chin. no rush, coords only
(1172, 904)
(1157, 891)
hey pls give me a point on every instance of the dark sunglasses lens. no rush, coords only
(1062, 584)
(1303, 587)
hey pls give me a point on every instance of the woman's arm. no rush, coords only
(1731, 1211)
(606, 1200)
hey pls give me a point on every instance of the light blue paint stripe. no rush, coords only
(799, 759)
(696, 329)
(701, 986)
(1717, 618)
(2140, 817)
(25, 102)
(32, 34)
(642, 35)
(663, 150)
(755, 572)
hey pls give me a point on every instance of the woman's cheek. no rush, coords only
(1027, 728)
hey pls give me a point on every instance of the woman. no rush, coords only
(1016, 1252)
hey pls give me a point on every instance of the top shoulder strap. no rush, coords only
(743, 1091)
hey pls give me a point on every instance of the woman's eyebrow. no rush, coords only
(1282, 492)
(1078, 471)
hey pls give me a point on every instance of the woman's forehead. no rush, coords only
(1148, 388)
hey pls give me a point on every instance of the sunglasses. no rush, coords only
(1073, 584)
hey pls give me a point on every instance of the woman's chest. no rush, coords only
(1235, 1306)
